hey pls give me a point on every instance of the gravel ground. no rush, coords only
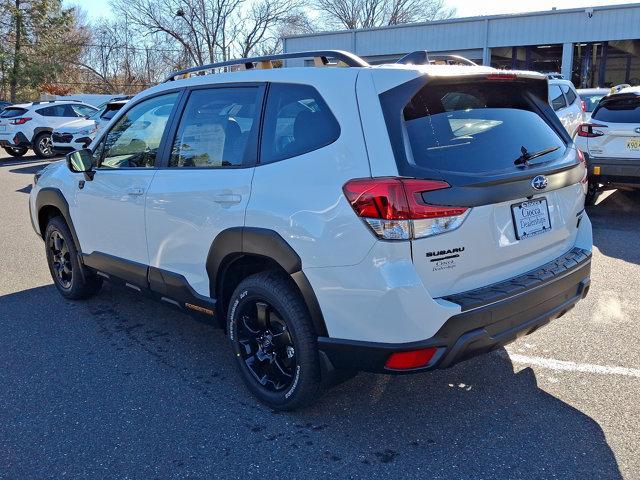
(122, 387)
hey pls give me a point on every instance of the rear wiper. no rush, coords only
(527, 156)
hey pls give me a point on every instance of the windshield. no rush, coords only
(96, 115)
(591, 100)
(620, 109)
(476, 128)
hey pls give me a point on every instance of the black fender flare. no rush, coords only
(49, 196)
(40, 130)
(238, 241)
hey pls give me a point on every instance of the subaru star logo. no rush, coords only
(540, 182)
(638, 130)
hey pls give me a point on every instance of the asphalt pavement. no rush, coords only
(122, 387)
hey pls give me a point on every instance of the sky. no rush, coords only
(465, 8)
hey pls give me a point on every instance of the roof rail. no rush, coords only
(421, 57)
(320, 57)
(40, 102)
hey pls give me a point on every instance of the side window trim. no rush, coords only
(252, 151)
(123, 111)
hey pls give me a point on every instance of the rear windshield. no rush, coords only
(476, 128)
(12, 112)
(619, 110)
(591, 100)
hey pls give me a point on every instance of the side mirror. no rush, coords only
(81, 161)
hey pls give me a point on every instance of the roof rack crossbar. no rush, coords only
(321, 57)
(422, 57)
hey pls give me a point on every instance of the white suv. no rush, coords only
(397, 218)
(567, 104)
(80, 133)
(611, 143)
(29, 125)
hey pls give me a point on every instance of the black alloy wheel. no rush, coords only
(274, 341)
(266, 346)
(72, 279)
(61, 264)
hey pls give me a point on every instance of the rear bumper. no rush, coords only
(619, 171)
(17, 140)
(491, 317)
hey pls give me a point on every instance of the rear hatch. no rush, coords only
(506, 175)
(8, 118)
(615, 128)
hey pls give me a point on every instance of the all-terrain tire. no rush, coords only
(72, 279)
(283, 345)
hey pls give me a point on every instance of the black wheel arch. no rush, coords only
(250, 250)
(40, 130)
(51, 202)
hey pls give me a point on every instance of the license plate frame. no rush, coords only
(541, 220)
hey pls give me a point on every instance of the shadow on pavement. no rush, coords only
(120, 370)
(616, 223)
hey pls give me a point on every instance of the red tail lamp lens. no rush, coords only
(411, 359)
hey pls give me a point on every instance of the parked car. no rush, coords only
(389, 219)
(29, 125)
(611, 143)
(4, 105)
(566, 103)
(590, 98)
(79, 133)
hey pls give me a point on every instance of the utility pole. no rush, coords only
(16, 53)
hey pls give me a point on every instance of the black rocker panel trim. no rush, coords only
(166, 285)
(176, 287)
(53, 197)
(236, 242)
(126, 270)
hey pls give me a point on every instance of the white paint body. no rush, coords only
(367, 289)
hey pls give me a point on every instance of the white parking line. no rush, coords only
(559, 365)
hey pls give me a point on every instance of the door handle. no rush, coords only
(228, 199)
(135, 191)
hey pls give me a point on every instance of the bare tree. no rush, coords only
(352, 14)
(208, 30)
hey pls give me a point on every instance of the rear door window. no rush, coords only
(569, 93)
(54, 111)
(476, 128)
(623, 109)
(216, 128)
(297, 121)
(556, 97)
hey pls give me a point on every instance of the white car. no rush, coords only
(611, 143)
(29, 125)
(79, 133)
(397, 218)
(566, 102)
(590, 98)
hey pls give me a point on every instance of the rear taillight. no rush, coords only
(583, 105)
(395, 210)
(19, 121)
(590, 130)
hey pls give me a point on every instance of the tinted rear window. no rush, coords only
(476, 128)
(591, 100)
(619, 110)
(12, 112)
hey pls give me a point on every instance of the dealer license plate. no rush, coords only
(531, 218)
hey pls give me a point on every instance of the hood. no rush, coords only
(76, 125)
